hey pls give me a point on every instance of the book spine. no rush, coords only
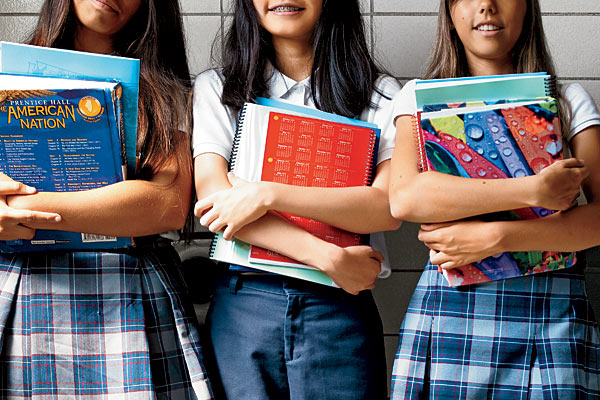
(118, 101)
(237, 137)
(550, 86)
(420, 141)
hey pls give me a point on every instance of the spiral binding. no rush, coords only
(213, 246)
(369, 170)
(237, 136)
(422, 162)
(231, 165)
(550, 86)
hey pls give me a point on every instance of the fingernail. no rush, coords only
(30, 189)
(58, 218)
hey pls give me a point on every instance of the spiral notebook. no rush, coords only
(288, 144)
(505, 139)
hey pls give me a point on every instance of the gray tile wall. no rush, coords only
(400, 32)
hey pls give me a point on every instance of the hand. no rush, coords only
(558, 185)
(231, 209)
(455, 244)
(12, 220)
(355, 268)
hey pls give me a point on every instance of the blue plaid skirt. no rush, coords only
(97, 326)
(533, 337)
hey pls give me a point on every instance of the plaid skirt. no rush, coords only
(97, 326)
(533, 337)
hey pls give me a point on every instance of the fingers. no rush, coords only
(202, 205)
(233, 179)
(572, 163)
(448, 265)
(217, 225)
(229, 232)
(428, 237)
(433, 227)
(377, 256)
(12, 187)
(30, 217)
(17, 232)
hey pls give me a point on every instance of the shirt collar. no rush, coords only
(280, 85)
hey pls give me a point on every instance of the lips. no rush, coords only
(105, 4)
(286, 8)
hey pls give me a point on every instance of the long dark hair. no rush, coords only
(155, 36)
(343, 72)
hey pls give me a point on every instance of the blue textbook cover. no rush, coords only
(24, 59)
(60, 135)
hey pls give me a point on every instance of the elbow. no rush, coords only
(173, 213)
(175, 221)
(392, 223)
(401, 206)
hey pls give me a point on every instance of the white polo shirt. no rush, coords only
(215, 124)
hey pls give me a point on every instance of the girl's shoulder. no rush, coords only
(387, 85)
(404, 101)
(581, 109)
(210, 80)
(574, 93)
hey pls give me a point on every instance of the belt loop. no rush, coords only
(235, 284)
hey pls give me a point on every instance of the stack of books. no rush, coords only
(492, 127)
(68, 122)
(296, 145)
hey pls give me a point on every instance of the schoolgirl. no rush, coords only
(276, 337)
(532, 337)
(113, 324)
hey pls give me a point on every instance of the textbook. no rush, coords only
(61, 135)
(296, 145)
(495, 140)
(25, 59)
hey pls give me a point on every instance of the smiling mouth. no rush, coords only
(286, 9)
(488, 28)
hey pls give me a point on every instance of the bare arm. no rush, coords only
(363, 209)
(128, 208)
(437, 197)
(354, 269)
(576, 229)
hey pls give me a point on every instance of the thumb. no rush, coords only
(233, 179)
(377, 256)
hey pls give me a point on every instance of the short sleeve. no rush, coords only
(404, 102)
(214, 123)
(580, 108)
(381, 115)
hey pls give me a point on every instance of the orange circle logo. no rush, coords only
(90, 106)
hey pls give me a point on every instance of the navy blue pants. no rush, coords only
(280, 338)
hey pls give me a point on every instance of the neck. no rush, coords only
(92, 42)
(484, 67)
(294, 58)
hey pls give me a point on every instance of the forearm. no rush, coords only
(274, 233)
(269, 231)
(362, 209)
(573, 230)
(129, 208)
(436, 197)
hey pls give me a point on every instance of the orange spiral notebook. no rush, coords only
(305, 151)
